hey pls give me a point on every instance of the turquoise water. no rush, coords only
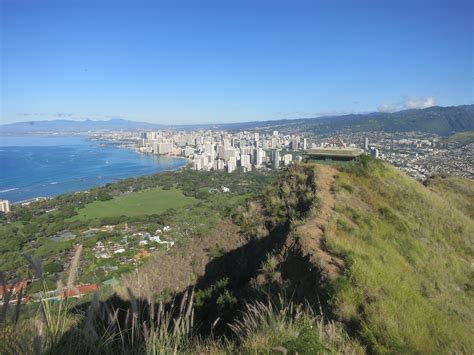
(36, 166)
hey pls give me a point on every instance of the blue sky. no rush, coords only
(229, 61)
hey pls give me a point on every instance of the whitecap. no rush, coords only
(8, 190)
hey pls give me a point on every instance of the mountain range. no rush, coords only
(75, 126)
(436, 119)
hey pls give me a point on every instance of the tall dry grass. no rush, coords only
(281, 326)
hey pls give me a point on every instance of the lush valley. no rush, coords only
(349, 258)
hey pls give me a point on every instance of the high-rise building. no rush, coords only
(276, 158)
(256, 137)
(231, 165)
(294, 144)
(287, 158)
(4, 206)
(374, 152)
(245, 161)
(305, 143)
(163, 148)
(366, 144)
(229, 153)
(274, 142)
(208, 147)
(151, 136)
(258, 161)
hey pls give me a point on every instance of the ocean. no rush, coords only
(44, 166)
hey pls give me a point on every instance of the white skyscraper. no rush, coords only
(258, 157)
(245, 161)
(208, 147)
(163, 148)
(4, 206)
(231, 165)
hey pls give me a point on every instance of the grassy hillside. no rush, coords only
(457, 192)
(352, 259)
(461, 138)
(408, 249)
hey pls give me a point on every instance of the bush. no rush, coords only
(53, 267)
(285, 325)
(38, 286)
(103, 196)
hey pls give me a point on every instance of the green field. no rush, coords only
(153, 201)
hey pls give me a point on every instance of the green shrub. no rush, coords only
(53, 267)
(38, 286)
(103, 196)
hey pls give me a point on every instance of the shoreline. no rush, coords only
(43, 198)
(29, 200)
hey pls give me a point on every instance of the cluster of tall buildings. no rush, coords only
(211, 150)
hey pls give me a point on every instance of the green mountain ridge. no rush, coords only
(440, 120)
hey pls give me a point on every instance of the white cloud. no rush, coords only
(408, 103)
(420, 102)
(388, 108)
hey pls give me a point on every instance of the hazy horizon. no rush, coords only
(208, 123)
(208, 62)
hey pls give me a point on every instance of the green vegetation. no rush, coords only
(170, 327)
(148, 202)
(461, 138)
(192, 202)
(408, 250)
(440, 120)
(244, 278)
(457, 192)
(284, 326)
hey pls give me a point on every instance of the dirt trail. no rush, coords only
(312, 231)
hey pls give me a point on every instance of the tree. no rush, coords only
(103, 196)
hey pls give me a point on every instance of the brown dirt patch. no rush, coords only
(311, 233)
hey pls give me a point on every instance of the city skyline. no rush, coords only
(206, 62)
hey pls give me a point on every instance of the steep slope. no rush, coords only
(311, 233)
(387, 258)
(407, 284)
(457, 192)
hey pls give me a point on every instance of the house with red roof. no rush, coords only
(78, 291)
(13, 288)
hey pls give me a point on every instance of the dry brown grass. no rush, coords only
(176, 270)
